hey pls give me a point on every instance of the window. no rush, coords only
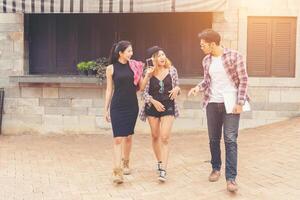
(271, 46)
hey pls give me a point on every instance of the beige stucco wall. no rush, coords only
(283, 90)
(290, 8)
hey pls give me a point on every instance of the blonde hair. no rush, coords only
(168, 63)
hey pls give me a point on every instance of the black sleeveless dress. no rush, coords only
(124, 105)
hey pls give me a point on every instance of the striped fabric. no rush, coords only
(110, 6)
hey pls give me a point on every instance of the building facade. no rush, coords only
(42, 41)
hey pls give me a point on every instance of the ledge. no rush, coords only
(77, 79)
(190, 81)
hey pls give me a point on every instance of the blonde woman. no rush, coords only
(160, 107)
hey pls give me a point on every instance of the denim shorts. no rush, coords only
(169, 109)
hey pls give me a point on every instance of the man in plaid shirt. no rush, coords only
(224, 72)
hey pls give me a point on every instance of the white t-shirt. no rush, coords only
(220, 81)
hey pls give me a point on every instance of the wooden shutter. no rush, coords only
(259, 47)
(66, 45)
(85, 39)
(60, 41)
(42, 44)
(271, 46)
(283, 47)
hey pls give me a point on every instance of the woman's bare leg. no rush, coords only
(154, 123)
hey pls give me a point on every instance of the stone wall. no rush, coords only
(53, 108)
(226, 23)
(11, 46)
(78, 109)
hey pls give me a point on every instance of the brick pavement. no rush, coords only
(78, 167)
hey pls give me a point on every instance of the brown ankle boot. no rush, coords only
(214, 176)
(117, 175)
(126, 168)
(232, 186)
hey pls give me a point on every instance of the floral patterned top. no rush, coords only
(146, 97)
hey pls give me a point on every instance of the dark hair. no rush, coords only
(116, 48)
(210, 36)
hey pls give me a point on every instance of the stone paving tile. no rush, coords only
(78, 167)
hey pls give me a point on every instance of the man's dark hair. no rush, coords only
(210, 36)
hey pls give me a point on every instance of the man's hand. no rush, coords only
(194, 91)
(237, 109)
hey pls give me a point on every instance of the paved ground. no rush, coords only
(78, 167)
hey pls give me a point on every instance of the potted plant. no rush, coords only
(94, 67)
(101, 64)
(91, 68)
(82, 68)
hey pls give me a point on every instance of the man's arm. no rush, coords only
(243, 79)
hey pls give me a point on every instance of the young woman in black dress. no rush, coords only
(124, 79)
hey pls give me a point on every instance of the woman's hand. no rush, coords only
(174, 93)
(149, 72)
(158, 106)
(144, 80)
(107, 116)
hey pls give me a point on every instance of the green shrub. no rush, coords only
(82, 66)
(101, 64)
(98, 66)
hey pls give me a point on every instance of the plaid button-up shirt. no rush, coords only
(235, 69)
